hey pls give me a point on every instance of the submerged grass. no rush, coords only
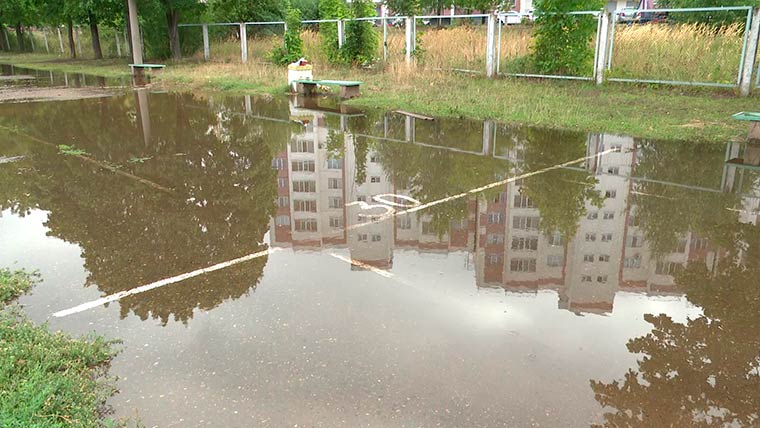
(47, 380)
(645, 111)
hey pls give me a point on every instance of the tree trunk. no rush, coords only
(3, 38)
(72, 43)
(20, 37)
(95, 36)
(172, 19)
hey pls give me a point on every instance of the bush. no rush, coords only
(293, 47)
(562, 41)
(328, 31)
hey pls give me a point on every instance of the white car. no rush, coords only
(510, 18)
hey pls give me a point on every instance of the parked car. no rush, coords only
(627, 15)
(654, 17)
(510, 18)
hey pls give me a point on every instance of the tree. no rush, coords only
(361, 39)
(173, 10)
(292, 49)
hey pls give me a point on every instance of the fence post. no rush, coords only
(410, 38)
(602, 43)
(384, 22)
(206, 49)
(78, 41)
(60, 39)
(118, 42)
(243, 44)
(31, 37)
(745, 84)
(341, 33)
(44, 38)
(491, 46)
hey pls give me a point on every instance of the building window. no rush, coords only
(303, 146)
(604, 258)
(529, 243)
(591, 237)
(593, 215)
(404, 222)
(427, 228)
(609, 215)
(494, 259)
(362, 237)
(586, 278)
(304, 186)
(374, 179)
(309, 206)
(336, 222)
(303, 165)
(282, 182)
(278, 163)
(525, 223)
(373, 158)
(494, 239)
(681, 246)
(588, 258)
(335, 202)
(283, 201)
(699, 244)
(555, 240)
(667, 268)
(376, 238)
(613, 170)
(554, 260)
(606, 237)
(602, 279)
(632, 220)
(522, 265)
(495, 218)
(306, 225)
(334, 163)
(282, 220)
(634, 241)
(334, 183)
(361, 198)
(611, 194)
(633, 262)
(522, 201)
(459, 224)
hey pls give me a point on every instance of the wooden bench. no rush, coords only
(751, 156)
(754, 124)
(348, 88)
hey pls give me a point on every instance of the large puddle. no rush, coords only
(376, 270)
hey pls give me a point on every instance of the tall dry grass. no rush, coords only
(683, 52)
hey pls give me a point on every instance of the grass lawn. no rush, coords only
(655, 112)
(47, 379)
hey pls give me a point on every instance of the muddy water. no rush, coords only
(520, 277)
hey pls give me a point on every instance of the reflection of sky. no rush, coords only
(318, 344)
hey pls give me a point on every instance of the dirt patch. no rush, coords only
(16, 94)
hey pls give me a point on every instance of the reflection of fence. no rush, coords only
(654, 46)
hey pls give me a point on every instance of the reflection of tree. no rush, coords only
(218, 166)
(666, 217)
(560, 194)
(706, 372)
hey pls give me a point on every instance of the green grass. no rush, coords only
(644, 111)
(47, 380)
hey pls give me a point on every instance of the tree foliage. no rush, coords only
(292, 48)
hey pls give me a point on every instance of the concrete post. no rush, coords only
(745, 83)
(409, 129)
(243, 44)
(118, 42)
(247, 103)
(126, 41)
(341, 33)
(488, 134)
(60, 39)
(491, 46)
(134, 29)
(601, 47)
(410, 38)
(44, 39)
(206, 49)
(384, 22)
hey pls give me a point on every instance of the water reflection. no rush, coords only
(169, 183)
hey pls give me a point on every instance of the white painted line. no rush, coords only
(153, 285)
(381, 272)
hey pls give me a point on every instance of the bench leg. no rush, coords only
(305, 88)
(754, 132)
(349, 91)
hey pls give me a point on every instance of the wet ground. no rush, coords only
(375, 270)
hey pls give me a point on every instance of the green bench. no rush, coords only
(348, 88)
(142, 67)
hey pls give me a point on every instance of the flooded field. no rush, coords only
(286, 262)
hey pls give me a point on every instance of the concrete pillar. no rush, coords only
(602, 43)
(491, 45)
(134, 29)
(60, 39)
(410, 38)
(243, 44)
(247, 103)
(44, 38)
(409, 129)
(341, 33)
(384, 22)
(489, 128)
(118, 42)
(143, 112)
(206, 49)
(745, 83)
